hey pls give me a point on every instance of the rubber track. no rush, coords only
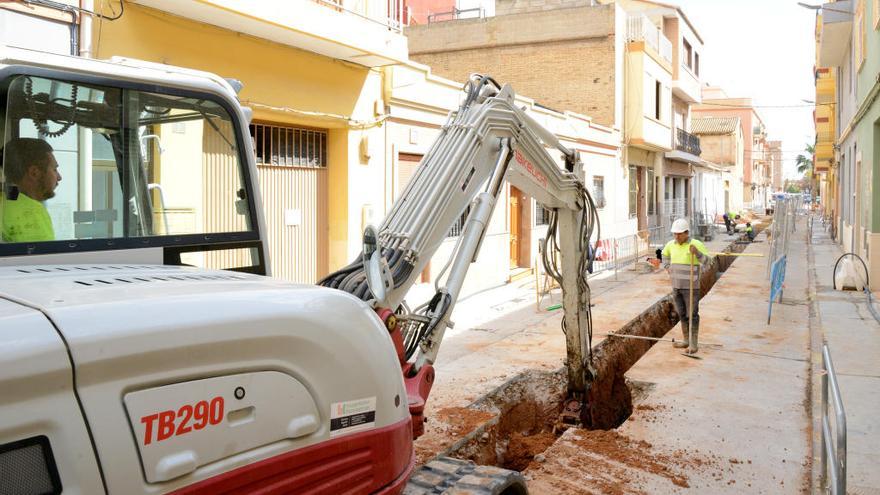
(448, 476)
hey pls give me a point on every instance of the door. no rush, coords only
(515, 231)
(642, 203)
(407, 163)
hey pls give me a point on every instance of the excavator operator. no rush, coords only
(31, 177)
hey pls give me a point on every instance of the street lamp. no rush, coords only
(822, 7)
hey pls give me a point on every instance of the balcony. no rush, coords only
(363, 32)
(835, 33)
(640, 29)
(826, 87)
(687, 142)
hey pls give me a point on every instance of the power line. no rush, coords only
(731, 105)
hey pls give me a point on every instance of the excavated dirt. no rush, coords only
(511, 425)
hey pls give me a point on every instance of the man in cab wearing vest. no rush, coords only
(682, 257)
(31, 177)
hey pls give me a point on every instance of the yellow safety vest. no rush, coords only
(25, 220)
(680, 254)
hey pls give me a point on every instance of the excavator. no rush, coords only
(146, 348)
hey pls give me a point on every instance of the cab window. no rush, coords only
(83, 161)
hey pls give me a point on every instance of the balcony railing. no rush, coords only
(687, 142)
(389, 13)
(640, 28)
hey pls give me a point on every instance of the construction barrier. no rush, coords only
(777, 279)
(784, 220)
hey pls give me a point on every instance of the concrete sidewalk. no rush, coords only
(844, 322)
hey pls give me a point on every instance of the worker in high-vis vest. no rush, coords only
(730, 219)
(679, 255)
(31, 176)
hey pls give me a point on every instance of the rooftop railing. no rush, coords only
(388, 13)
(640, 28)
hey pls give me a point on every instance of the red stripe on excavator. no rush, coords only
(376, 461)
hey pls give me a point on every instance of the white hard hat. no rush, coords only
(679, 226)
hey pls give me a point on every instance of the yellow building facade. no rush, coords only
(316, 93)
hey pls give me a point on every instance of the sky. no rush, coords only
(763, 49)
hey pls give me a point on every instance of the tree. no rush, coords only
(805, 167)
(805, 162)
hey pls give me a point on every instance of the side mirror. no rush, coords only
(379, 278)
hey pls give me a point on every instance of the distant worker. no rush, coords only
(730, 219)
(683, 257)
(750, 233)
(32, 175)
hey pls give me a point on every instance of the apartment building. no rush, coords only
(721, 139)
(631, 65)
(312, 72)
(775, 149)
(756, 178)
(848, 117)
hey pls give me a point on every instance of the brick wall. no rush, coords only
(563, 58)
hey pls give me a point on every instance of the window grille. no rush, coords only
(542, 215)
(289, 146)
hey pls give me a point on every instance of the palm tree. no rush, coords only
(805, 162)
(805, 166)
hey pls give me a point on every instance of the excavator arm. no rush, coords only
(486, 141)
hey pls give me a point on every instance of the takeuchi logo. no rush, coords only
(534, 172)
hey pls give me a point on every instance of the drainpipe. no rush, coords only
(85, 29)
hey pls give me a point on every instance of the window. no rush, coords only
(688, 54)
(133, 164)
(651, 192)
(658, 100)
(696, 63)
(599, 191)
(542, 215)
(289, 146)
(633, 191)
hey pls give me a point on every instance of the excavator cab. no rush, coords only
(140, 168)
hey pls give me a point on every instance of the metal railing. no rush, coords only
(831, 450)
(640, 28)
(388, 13)
(614, 254)
(687, 142)
(455, 13)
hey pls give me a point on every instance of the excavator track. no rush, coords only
(448, 476)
